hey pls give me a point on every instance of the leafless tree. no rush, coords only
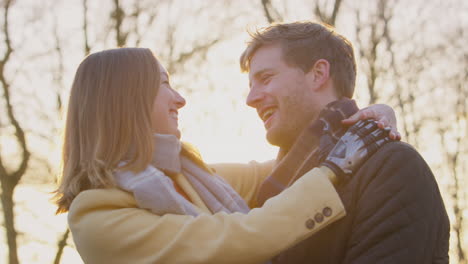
(323, 16)
(370, 35)
(405, 74)
(61, 246)
(452, 156)
(10, 178)
(453, 129)
(320, 11)
(271, 14)
(118, 16)
(87, 47)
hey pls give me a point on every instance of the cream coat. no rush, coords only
(108, 227)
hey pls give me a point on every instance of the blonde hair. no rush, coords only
(108, 120)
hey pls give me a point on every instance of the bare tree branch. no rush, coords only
(331, 18)
(151, 13)
(58, 74)
(15, 176)
(185, 56)
(271, 14)
(87, 48)
(61, 246)
(9, 180)
(118, 16)
(368, 46)
(336, 8)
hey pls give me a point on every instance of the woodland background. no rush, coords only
(412, 55)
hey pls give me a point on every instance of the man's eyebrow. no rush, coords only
(261, 72)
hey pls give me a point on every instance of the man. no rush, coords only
(301, 72)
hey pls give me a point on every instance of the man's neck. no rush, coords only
(331, 113)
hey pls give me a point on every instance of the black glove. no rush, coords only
(355, 147)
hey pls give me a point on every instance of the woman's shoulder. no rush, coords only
(103, 221)
(102, 199)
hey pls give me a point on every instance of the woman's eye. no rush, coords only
(266, 78)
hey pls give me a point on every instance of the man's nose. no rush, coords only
(254, 97)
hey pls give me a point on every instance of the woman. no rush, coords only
(122, 117)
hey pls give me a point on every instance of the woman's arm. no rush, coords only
(107, 228)
(246, 178)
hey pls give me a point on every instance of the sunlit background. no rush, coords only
(412, 55)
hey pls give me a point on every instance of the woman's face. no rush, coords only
(165, 108)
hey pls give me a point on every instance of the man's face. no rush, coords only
(282, 95)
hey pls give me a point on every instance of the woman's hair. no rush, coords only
(108, 120)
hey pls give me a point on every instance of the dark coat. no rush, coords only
(395, 214)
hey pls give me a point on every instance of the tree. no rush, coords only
(320, 11)
(452, 129)
(328, 18)
(272, 15)
(9, 178)
(370, 36)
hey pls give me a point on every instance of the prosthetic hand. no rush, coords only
(355, 147)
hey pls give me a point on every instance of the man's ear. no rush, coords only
(319, 74)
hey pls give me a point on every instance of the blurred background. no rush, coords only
(412, 55)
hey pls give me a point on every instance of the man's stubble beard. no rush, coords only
(284, 137)
(291, 125)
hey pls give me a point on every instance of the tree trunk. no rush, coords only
(61, 245)
(8, 205)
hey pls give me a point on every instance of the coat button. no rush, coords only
(310, 224)
(318, 218)
(327, 211)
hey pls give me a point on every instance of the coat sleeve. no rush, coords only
(245, 178)
(107, 228)
(400, 216)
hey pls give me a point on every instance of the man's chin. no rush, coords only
(280, 138)
(274, 139)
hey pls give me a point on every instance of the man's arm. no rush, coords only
(399, 215)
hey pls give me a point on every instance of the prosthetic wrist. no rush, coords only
(354, 148)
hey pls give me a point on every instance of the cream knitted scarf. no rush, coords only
(155, 191)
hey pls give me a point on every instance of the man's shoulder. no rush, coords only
(395, 150)
(395, 179)
(395, 156)
(396, 168)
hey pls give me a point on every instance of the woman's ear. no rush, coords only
(319, 74)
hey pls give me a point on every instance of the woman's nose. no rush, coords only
(180, 101)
